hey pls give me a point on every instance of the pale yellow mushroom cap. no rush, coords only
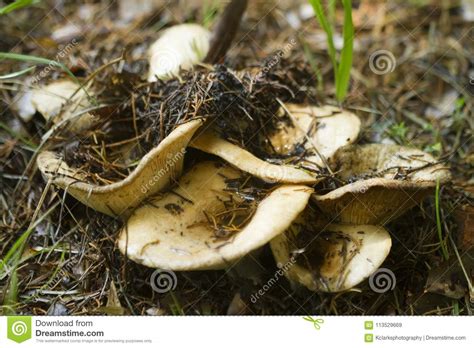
(58, 101)
(154, 172)
(179, 47)
(328, 127)
(212, 143)
(330, 258)
(181, 230)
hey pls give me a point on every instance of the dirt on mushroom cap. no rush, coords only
(205, 224)
(379, 182)
(330, 257)
(155, 171)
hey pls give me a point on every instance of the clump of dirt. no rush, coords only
(139, 115)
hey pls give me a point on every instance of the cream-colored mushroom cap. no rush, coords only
(334, 259)
(327, 127)
(210, 142)
(384, 182)
(153, 173)
(179, 47)
(62, 100)
(194, 226)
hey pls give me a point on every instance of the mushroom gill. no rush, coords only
(207, 222)
(380, 182)
(154, 172)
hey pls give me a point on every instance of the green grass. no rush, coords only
(210, 9)
(16, 73)
(37, 61)
(341, 65)
(42, 61)
(13, 258)
(16, 5)
(398, 132)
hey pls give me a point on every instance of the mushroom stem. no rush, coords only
(225, 30)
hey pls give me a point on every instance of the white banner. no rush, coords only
(228, 332)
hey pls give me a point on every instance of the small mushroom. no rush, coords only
(382, 182)
(153, 173)
(330, 258)
(321, 130)
(205, 224)
(62, 100)
(179, 47)
(325, 128)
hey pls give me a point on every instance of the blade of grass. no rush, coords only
(43, 61)
(318, 10)
(15, 253)
(17, 136)
(332, 12)
(345, 63)
(465, 272)
(342, 66)
(16, 5)
(37, 60)
(16, 73)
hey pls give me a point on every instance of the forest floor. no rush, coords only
(420, 96)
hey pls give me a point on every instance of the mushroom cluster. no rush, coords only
(323, 207)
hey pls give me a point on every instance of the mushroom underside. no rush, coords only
(154, 172)
(381, 183)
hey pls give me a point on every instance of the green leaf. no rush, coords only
(318, 10)
(345, 64)
(16, 73)
(37, 60)
(45, 61)
(16, 5)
